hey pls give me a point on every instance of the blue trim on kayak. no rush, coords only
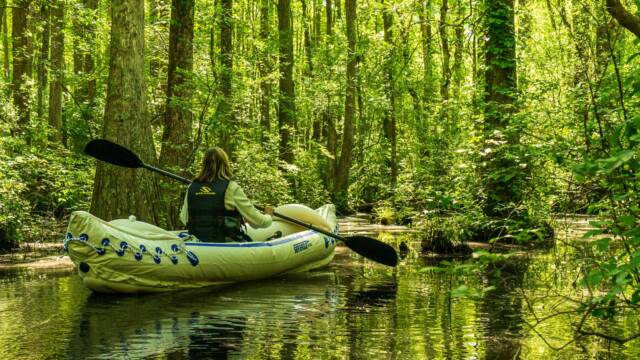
(256, 244)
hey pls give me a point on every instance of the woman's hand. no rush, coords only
(268, 209)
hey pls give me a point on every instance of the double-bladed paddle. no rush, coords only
(115, 154)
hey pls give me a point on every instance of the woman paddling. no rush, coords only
(214, 205)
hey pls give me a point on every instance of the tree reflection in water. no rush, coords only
(502, 309)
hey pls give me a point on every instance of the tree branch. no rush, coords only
(626, 19)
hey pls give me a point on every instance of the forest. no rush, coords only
(466, 120)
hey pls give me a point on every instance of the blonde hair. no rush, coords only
(215, 165)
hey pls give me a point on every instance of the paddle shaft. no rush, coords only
(166, 173)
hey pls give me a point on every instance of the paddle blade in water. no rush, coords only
(372, 249)
(112, 153)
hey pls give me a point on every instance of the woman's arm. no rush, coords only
(184, 212)
(236, 198)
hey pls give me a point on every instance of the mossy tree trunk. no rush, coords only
(119, 192)
(503, 175)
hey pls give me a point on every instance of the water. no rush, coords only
(351, 309)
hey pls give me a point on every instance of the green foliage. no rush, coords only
(36, 182)
(261, 179)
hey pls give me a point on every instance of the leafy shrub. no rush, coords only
(259, 176)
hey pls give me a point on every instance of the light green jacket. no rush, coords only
(234, 198)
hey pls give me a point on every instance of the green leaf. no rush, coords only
(614, 162)
(594, 278)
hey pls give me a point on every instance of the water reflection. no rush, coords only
(352, 309)
(502, 309)
(197, 324)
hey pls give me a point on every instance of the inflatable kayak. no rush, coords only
(129, 256)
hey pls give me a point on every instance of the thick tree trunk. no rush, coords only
(503, 179)
(389, 120)
(265, 68)
(57, 69)
(286, 105)
(177, 145)
(224, 113)
(119, 192)
(626, 19)
(21, 61)
(342, 175)
(176, 137)
(43, 58)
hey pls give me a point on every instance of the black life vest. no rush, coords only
(209, 220)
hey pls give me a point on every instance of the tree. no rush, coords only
(626, 19)
(21, 61)
(177, 146)
(43, 57)
(286, 105)
(225, 116)
(342, 175)
(502, 177)
(57, 67)
(389, 121)
(265, 68)
(119, 192)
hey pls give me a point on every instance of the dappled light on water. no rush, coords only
(351, 309)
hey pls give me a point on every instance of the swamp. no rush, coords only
(469, 172)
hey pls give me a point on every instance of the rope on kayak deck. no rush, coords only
(137, 251)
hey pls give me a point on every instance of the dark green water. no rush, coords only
(352, 309)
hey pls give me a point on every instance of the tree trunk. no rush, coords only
(286, 105)
(224, 113)
(424, 13)
(626, 19)
(307, 38)
(265, 68)
(503, 179)
(458, 50)
(389, 121)
(329, 22)
(445, 82)
(43, 58)
(342, 176)
(57, 69)
(21, 61)
(89, 61)
(5, 41)
(177, 146)
(119, 192)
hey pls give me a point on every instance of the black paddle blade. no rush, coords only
(372, 249)
(112, 153)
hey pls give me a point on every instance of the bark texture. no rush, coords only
(119, 192)
(286, 105)
(57, 69)
(342, 175)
